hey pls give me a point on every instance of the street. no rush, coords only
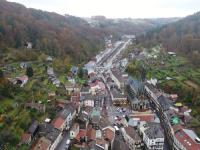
(62, 144)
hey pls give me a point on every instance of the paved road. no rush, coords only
(62, 144)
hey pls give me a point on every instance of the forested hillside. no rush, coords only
(128, 25)
(182, 36)
(49, 32)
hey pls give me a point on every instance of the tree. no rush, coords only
(1, 74)
(29, 71)
(80, 73)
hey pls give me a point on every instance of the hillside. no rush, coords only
(127, 25)
(52, 33)
(182, 36)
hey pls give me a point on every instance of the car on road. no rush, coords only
(68, 142)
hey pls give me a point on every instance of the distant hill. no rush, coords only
(59, 35)
(182, 36)
(50, 32)
(127, 25)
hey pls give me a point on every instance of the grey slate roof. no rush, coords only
(154, 130)
(164, 102)
(34, 126)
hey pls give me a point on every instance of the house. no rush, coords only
(99, 99)
(186, 139)
(72, 109)
(33, 129)
(81, 136)
(21, 80)
(37, 106)
(96, 86)
(91, 134)
(23, 65)
(50, 133)
(95, 118)
(42, 144)
(75, 100)
(74, 70)
(108, 134)
(164, 102)
(29, 45)
(85, 90)
(87, 100)
(67, 116)
(50, 71)
(153, 135)
(84, 116)
(55, 136)
(26, 138)
(49, 58)
(118, 78)
(74, 130)
(132, 138)
(144, 116)
(59, 123)
(52, 94)
(117, 97)
(173, 97)
(69, 87)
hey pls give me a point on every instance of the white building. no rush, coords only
(74, 131)
(153, 136)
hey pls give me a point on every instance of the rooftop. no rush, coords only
(53, 135)
(116, 93)
(132, 133)
(186, 140)
(42, 144)
(85, 88)
(58, 122)
(34, 126)
(108, 133)
(25, 137)
(134, 84)
(164, 102)
(118, 75)
(153, 130)
(64, 113)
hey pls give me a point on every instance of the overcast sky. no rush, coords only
(117, 8)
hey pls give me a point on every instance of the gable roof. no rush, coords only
(58, 122)
(108, 134)
(34, 126)
(186, 140)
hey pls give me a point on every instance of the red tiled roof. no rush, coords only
(186, 141)
(91, 134)
(177, 127)
(25, 137)
(58, 122)
(149, 117)
(108, 134)
(81, 133)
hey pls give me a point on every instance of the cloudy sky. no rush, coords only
(117, 8)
